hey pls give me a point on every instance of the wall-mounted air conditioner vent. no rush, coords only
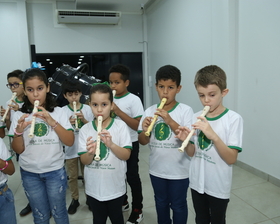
(88, 17)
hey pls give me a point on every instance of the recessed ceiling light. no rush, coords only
(82, 56)
(48, 59)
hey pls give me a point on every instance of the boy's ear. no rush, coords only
(127, 83)
(225, 92)
(179, 88)
(48, 88)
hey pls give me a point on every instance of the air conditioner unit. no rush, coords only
(88, 17)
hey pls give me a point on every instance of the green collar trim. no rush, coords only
(171, 108)
(119, 97)
(107, 128)
(81, 107)
(218, 117)
(18, 101)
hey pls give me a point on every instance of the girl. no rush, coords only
(105, 179)
(7, 207)
(42, 158)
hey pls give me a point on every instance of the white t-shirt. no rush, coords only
(165, 159)
(20, 103)
(131, 105)
(209, 173)
(105, 179)
(5, 155)
(72, 151)
(44, 152)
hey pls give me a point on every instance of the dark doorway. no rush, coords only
(99, 64)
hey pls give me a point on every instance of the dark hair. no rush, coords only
(101, 88)
(16, 73)
(169, 72)
(71, 87)
(122, 69)
(211, 74)
(32, 73)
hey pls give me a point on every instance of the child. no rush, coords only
(72, 92)
(7, 207)
(168, 167)
(42, 158)
(213, 148)
(128, 107)
(14, 79)
(105, 179)
(15, 85)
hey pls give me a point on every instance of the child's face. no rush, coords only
(73, 96)
(167, 89)
(212, 96)
(36, 89)
(13, 82)
(100, 105)
(118, 84)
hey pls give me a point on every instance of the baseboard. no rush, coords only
(258, 173)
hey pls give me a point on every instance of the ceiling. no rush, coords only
(128, 6)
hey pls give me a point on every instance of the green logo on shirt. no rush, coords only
(40, 129)
(103, 150)
(162, 131)
(204, 142)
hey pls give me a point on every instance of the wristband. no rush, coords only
(17, 133)
(6, 165)
(56, 123)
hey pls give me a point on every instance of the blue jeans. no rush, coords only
(7, 207)
(171, 194)
(46, 193)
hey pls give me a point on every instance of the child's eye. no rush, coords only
(171, 87)
(201, 95)
(160, 87)
(94, 104)
(29, 90)
(40, 88)
(104, 104)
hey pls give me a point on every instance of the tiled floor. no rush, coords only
(253, 200)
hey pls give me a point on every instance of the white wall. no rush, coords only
(243, 38)
(50, 37)
(14, 53)
(258, 84)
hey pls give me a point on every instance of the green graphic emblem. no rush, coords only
(80, 123)
(204, 142)
(41, 129)
(112, 114)
(162, 131)
(103, 150)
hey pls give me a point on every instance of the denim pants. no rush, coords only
(7, 207)
(133, 177)
(46, 193)
(171, 194)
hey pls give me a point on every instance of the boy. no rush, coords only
(14, 79)
(214, 147)
(128, 107)
(15, 85)
(168, 167)
(72, 92)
